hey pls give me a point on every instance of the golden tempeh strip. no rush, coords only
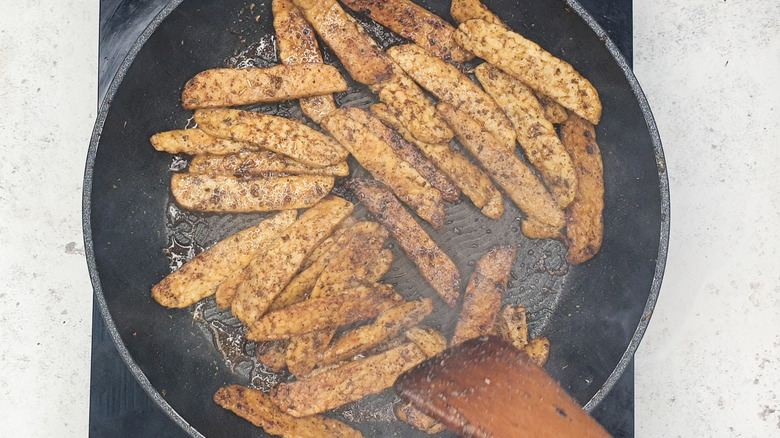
(535, 67)
(512, 325)
(297, 45)
(535, 133)
(223, 87)
(384, 165)
(195, 141)
(474, 183)
(277, 134)
(259, 163)
(430, 341)
(407, 413)
(517, 180)
(464, 10)
(229, 194)
(416, 23)
(200, 277)
(353, 381)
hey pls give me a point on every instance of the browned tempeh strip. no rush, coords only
(538, 349)
(464, 10)
(259, 163)
(359, 54)
(447, 83)
(436, 266)
(195, 141)
(535, 67)
(512, 325)
(272, 354)
(267, 276)
(407, 413)
(380, 160)
(484, 293)
(554, 111)
(258, 408)
(411, 105)
(326, 313)
(407, 151)
(229, 194)
(297, 45)
(277, 134)
(517, 180)
(348, 383)
(535, 133)
(200, 277)
(469, 178)
(223, 87)
(584, 223)
(386, 325)
(416, 23)
(430, 341)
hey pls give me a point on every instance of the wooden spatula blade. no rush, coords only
(487, 388)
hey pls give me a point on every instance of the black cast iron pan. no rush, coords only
(594, 314)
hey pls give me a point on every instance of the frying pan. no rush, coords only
(594, 314)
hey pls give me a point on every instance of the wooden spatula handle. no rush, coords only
(487, 388)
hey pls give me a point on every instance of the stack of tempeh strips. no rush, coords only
(297, 282)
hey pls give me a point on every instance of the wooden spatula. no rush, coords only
(487, 388)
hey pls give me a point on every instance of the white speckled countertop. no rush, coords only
(710, 362)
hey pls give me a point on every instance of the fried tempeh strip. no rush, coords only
(359, 54)
(512, 325)
(258, 408)
(538, 349)
(417, 419)
(535, 133)
(507, 170)
(408, 102)
(259, 163)
(221, 87)
(430, 341)
(464, 10)
(474, 183)
(230, 194)
(297, 45)
(447, 83)
(272, 354)
(267, 276)
(386, 325)
(277, 134)
(379, 159)
(326, 313)
(584, 223)
(195, 141)
(407, 151)
(484, 293)
(535, 67)
(416, 23)
(200, 277)
(554, 111)
(436, 266)
(348, 383)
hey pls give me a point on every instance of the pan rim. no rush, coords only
(172, 413)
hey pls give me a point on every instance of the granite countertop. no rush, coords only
(708, 365)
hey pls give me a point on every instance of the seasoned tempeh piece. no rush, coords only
(258, 408)
(386, 325)
(436, 266)
(221, 87)
(507, 170)
(380, 160)
(512, 325)
(464, 10)
(408, 102)
(297, 45)
(359, 54)
(416, 23)
(430, 341)
(417, 419)
(272, 354)
(535, 133)
(318, 252)
(584, 223)
(407, 151)
(535, 67)
(229, 194)
(259, 163)
(200, 277)
(277, 134)
(538, 349)
(469, 178)
(348, 383)
(554, 111)
(326, 313)
(484, 293)
(195, 141)
(267, 276)
(450, 85)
